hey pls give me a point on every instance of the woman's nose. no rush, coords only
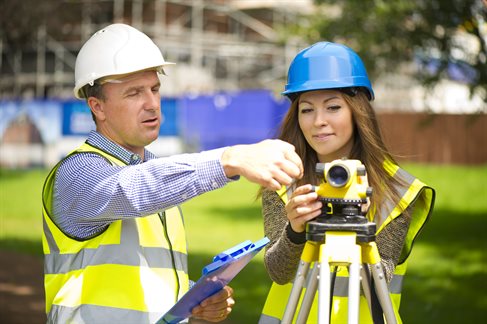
(320, 119)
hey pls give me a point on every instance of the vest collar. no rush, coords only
(98, 140)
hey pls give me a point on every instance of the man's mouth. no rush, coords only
(150, 121)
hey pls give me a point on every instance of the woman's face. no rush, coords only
(327, 124)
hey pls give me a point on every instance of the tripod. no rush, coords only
(342, 239)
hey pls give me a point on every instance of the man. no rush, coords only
(114, 240)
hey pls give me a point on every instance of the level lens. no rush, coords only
(338, 176)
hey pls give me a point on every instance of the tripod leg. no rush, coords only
(309, 295)
(371, 296)
(298, 284)
(309, 254)
(324, 296)
(383, 293)
(366, 284)
(371, 254)
(354, 292)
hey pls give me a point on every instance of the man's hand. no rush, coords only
(270, 163)
(216, 307)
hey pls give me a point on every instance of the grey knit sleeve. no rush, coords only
(390, 242)
(281, 255)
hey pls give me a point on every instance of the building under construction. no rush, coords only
(217, 44)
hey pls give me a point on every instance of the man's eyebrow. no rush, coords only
(132, 88)
(140, 87)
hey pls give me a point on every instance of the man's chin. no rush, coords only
(152, 137)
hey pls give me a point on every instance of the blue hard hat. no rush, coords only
(326, 65)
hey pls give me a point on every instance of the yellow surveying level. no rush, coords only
(341, 236)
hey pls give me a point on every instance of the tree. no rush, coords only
(446, 38)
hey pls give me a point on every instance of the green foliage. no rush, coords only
(446, 280)
(388, 33)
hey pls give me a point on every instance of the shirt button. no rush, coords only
(135, 158)
(184, 196)
(214, 184)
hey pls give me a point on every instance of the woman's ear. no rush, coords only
(97, 108)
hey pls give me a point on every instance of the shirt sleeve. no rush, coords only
(90, 193)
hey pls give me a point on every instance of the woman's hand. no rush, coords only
(302, 207)
(364, 182)
(216, 307)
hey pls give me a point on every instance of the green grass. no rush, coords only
(21, 210)
(447, 274)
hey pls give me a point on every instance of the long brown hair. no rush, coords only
(368, 147)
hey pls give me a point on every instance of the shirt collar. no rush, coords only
(98, 140)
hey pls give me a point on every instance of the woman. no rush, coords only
(331, 118)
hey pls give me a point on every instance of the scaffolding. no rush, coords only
(217, 44)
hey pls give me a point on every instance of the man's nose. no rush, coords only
(152, 101)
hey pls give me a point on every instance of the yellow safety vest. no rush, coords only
(132, 272)
(420, 199)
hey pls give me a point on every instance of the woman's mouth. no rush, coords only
(322, 137)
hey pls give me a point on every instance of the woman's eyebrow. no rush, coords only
(324, 101)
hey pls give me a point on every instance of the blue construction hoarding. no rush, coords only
(201, 122)
(229, 118)
(45, 115)
(77, 118)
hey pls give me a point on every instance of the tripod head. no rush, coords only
(343, 193)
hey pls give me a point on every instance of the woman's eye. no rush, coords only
(335, 107)
(305, 110)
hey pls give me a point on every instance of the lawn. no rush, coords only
(447, 275)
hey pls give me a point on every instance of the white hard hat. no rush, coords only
(114, 50)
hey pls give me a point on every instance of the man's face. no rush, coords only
(130, 114)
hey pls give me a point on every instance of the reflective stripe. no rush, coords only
(387, 207)
(49, 239)
(395, 285)
(403, 174)
(96, 314)
(155, 258)
(341, 285)
(266, 319)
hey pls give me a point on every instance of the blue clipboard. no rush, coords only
(216, 275)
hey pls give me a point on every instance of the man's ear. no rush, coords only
(97, 108)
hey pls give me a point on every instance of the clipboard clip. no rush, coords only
(233, 253)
